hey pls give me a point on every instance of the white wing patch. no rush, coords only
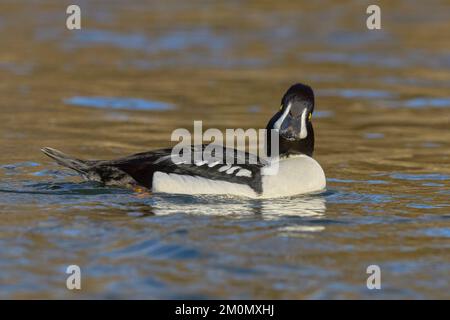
(232, 169)
(225, 167)
(244, 173)
(241, 172)
(213, 164)
(228, 168)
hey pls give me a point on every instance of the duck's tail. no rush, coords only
(63, 159)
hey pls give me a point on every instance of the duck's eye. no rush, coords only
(281, 107)
(310, 116)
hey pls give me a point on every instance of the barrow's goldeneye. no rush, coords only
(296, 171)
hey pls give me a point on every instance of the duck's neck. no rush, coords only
(288, 147)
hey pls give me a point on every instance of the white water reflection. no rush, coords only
(291, 216)
(301, 206)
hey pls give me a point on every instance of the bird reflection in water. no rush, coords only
(294, 215)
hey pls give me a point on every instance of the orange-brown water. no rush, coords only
(382, 137)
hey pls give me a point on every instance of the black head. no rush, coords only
(293, 122)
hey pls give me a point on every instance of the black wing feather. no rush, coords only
(142, 166)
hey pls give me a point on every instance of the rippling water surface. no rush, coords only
(137, 71)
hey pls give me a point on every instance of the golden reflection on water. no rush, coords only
(382, 137)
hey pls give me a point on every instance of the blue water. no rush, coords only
(118, 103)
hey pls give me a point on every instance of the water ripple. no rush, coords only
(420, 177)
(118, 103)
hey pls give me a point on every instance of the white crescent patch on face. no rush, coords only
(279, 122)
(303, 130)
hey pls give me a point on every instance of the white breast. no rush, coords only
(292, 176)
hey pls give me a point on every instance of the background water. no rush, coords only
(136, 71)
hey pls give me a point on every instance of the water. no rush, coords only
(138, 71)
(111, 103)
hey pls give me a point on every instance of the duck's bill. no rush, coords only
(294, 128)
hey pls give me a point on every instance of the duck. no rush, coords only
(289, 171)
